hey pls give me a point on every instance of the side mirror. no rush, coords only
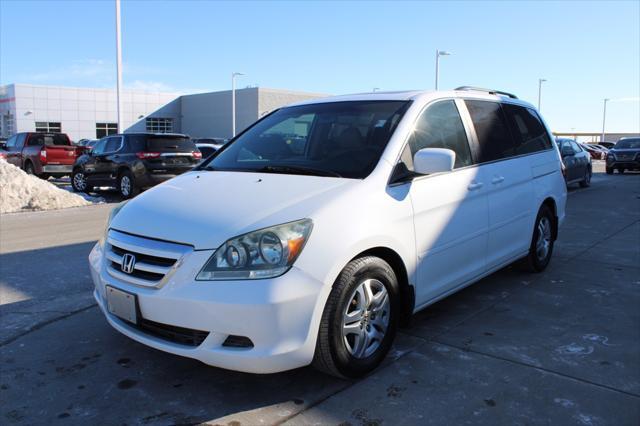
(433, 160)
(566, 151)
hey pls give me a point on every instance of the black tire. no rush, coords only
(609, 170)
(621, 170)
(79, 182)
(29, 169)
(534, 262)
(132, 191)
(332, 354)
(587, 179)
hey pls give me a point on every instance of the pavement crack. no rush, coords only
(546, 370)
(44, 324)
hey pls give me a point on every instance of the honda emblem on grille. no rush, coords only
(128, 263)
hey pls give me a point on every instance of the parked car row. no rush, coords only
(596, 151)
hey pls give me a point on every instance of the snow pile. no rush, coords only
(20, 191)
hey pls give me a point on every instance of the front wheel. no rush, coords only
(359, 320)
(542, 242)
(621, 170)
(609, 170)
(79, 182)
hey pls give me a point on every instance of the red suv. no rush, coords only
(42, 154)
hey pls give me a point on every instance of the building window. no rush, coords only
(159, 125)
(48, 127)
(106, 129)
(7, 125)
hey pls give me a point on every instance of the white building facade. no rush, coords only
(85, 113)
(78, 112)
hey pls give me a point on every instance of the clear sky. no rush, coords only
(586, 50)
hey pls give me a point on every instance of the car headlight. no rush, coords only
(265, 253)
(611, 156)
(112, 214)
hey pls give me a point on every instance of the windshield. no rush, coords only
(628, 144)
(340, 139)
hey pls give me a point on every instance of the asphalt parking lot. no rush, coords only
(561, 347)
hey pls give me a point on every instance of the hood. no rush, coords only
(204, 208)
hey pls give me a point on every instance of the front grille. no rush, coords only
(171, 333)
(152, 260)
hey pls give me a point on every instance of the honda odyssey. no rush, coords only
(316, 232)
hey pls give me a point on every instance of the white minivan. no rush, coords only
(318, 230)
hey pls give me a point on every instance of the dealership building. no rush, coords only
(91, 113)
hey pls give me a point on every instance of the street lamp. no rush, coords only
(438, 54)
(540, 81)
(604, 118)
(118, 68)
(233, 102)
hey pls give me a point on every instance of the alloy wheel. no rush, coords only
(543, 243)
(366, 318)
(79, 181)
(125, 186)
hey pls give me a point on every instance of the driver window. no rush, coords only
(440, 126)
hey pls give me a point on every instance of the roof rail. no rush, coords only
(490, 91)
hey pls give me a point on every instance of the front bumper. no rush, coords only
(624, 163)
(281, 315)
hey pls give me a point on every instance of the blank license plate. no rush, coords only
(122, 304)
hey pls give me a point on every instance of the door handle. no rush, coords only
(474, 185)
(497, 179)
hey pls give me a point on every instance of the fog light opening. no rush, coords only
(238, 342)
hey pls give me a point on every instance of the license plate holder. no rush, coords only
(122, 304)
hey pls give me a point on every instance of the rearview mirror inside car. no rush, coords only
(433, 160)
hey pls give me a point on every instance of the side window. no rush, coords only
(11, 142)
(20, 140)
(99, 147)
(576, 147)
(527, 129)
(113, 144)
(36, 140)
(440, 126)
(494, 139)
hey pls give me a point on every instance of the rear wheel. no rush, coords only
(29, 169)
(127, 185)
(621, 170)
(542, 241)
(587, 179)
(359, 320)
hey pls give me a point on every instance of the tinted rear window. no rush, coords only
(494, 138)
(527, 129)
(161, 143)
(54, 139)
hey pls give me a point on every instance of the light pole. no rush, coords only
(233, 102)
(604, 118)
(438, 54)
(118, 68)
(540, 81)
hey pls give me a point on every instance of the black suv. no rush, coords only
(625, 155)
(134, 161)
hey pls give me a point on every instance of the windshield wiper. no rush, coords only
(299, 170)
